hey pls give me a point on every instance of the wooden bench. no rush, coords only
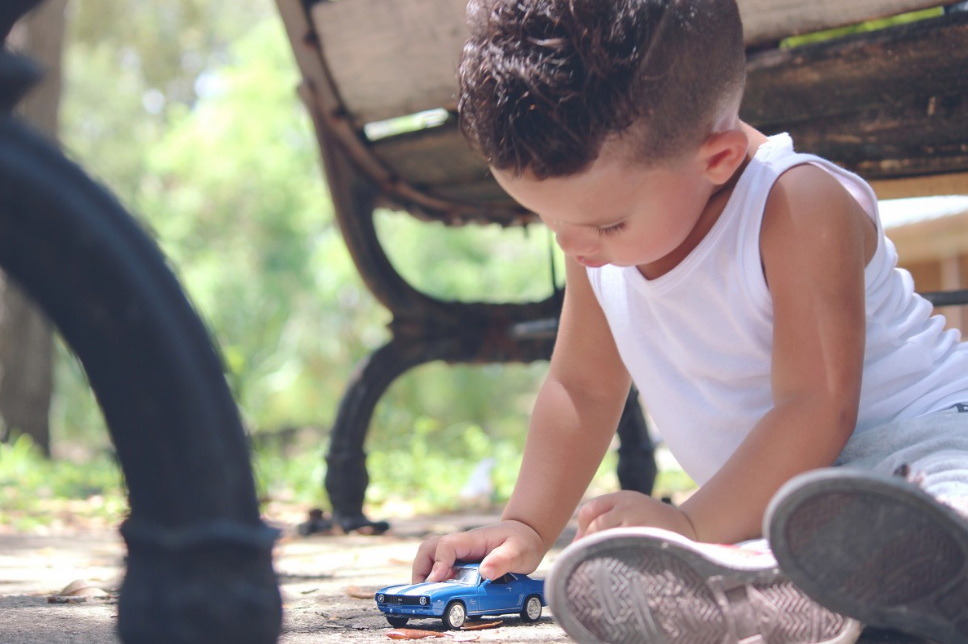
(891, 105)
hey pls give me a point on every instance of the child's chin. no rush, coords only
(590, 263)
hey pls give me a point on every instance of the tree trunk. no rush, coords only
(26, 341)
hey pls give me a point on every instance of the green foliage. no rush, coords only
(236, 198)
(33, 489)
(289, 473)
(187, 111)
(471, 263)
(231, 187)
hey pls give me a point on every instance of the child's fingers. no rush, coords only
(500, 561)
(591, 511)
(423, 563)
(605, 521)
(435, 557)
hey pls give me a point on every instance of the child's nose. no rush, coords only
(575, 240)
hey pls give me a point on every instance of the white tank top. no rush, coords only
(697, 341)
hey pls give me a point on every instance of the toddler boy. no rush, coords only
(750, 293)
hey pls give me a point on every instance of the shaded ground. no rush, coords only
(318, 575)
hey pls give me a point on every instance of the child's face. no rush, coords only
(617, 212)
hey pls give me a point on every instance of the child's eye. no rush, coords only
(614, 229)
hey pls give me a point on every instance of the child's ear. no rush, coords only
(722, 153)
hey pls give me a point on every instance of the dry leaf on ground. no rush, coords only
(61, 599)
(411, 634)
(361, 593)
(76, 592)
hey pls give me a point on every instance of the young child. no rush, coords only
(750, 293)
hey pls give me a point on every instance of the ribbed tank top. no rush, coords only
(697, 341)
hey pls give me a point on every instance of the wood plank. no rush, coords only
(766, 21)
(886, 105)
(483, 192)
(395, 57)
(438, 155)
(392, 57)
(478, 202)
(889, 104)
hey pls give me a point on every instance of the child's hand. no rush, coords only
(501, 548)
(625, 509)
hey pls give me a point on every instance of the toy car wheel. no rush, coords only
(454, 616)
(532, 609)
(397, 622)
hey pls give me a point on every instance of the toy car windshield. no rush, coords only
(463, 575)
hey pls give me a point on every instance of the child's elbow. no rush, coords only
(844, 411)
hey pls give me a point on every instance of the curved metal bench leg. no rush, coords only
(200, 559)
(346, 476)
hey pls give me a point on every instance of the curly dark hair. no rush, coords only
(544, 83)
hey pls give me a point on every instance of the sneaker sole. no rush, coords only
(642, 586)
(875, 548)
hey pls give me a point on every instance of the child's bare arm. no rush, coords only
(574, 419)
(815, 244)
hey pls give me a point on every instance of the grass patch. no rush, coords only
(37, 494)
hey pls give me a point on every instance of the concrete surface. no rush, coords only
(318, 575)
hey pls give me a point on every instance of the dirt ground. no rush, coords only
(319, 577)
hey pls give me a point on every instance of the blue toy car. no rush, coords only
(465, 595)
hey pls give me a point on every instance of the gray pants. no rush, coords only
(933, 447)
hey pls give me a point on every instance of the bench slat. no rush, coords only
(889, 104)
(396, 57)
(485, 191)
(439, 155)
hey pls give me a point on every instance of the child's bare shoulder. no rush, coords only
(808, 202)
(812, 226)
(808, 188)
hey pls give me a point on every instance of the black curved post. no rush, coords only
(346, 475)
(199, 567)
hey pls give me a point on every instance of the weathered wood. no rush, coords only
(766, 21)
(396, 57)
(484, 191)
(890, 104)
(392, 57)
(431, 157)
(887, 104)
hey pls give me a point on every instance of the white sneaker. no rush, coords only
(874, 547)
(643, 586)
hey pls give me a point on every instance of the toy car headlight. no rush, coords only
(424, 601)
(380, 598)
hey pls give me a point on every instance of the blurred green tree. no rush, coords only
(193, 120)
